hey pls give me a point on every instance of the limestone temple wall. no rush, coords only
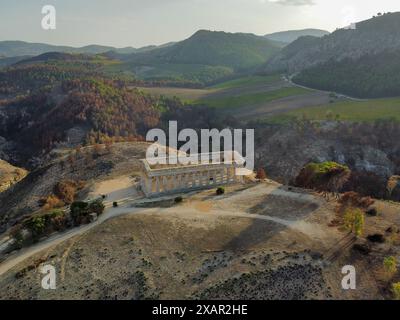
(164, 179)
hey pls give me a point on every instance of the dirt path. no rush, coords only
(118, 192)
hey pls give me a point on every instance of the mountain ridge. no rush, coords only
(291, 35)
(370, 36)
(16, 48)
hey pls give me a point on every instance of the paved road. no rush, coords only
(337, 93)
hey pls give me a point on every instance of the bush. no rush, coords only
(325, 176)
(396, 290)
(51, 202)
(261, 175)
(178, 199)
(97, 207)
(65, 190)
(46, 223)
(220, 191)
(354, 199)
(79, 212)
(354, 221)
(390, 265)
(115, 204)
(36, 225)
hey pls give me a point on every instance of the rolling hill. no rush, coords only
(21, 48)
(204, 57)
(292, 35)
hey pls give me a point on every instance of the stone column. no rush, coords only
(165, 183)
(214, 176)
(157, 184)
(203, 178)
(149, 185)
(144, 184)
(233, 174)
(195, 176)
(178, 182)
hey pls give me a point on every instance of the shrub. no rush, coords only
(66, 190)
(354, 199)
(390, 265)
(220, 191)
(57, 220)
(261, 175)
(79, 211)
(97, 207)
(354, 221)
(36, 225)
(396, 290)
(45, 223)
(325, 176)
(178, 199)
(51, 202)
(115, 204)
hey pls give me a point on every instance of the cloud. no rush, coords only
(292, 2)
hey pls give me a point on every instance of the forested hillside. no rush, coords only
(371, 76)
(203, 58)
(361, 62)
(44, 98)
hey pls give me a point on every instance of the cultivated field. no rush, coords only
(369, 110)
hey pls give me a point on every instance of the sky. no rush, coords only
(137, 23)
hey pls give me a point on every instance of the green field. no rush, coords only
(253, 99)
(249, 89)
(247, 82)
(185, 94)
(369, 110)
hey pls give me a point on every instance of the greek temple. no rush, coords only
(163, 176)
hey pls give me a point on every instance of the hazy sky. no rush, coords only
(141, 22)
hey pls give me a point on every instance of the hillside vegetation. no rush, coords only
(204, 57)
(370, 76)
(22, 48)
(362, 62)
